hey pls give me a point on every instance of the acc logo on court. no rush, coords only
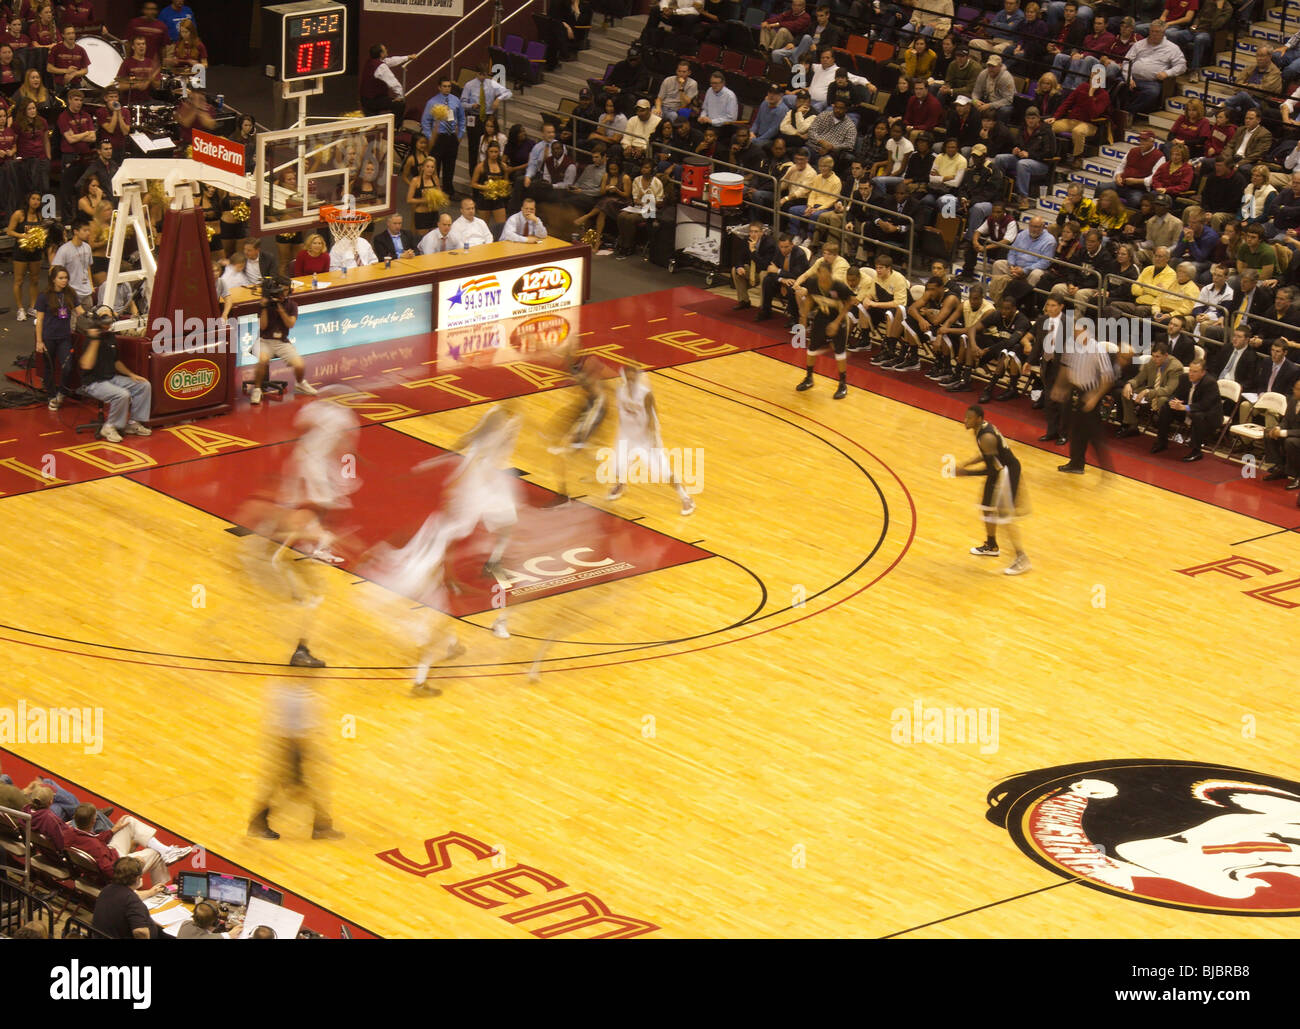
(541, 286)
(191, 379)
(1180, 834)
(540, 332)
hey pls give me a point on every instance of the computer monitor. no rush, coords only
(256, 891)
(193, 886)
(228, 889)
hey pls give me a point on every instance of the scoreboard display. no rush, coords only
(307, 39)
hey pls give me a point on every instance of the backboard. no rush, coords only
(299, 170)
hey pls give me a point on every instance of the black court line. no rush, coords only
(982, 907)
(1266, 535)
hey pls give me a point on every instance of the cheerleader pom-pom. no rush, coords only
(435, 198)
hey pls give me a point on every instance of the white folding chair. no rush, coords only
(1252, 433)
(1231, 393)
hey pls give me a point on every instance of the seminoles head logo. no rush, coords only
(1176, 833)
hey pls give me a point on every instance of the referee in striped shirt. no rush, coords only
(1087, 370)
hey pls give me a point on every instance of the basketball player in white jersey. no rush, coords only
(319, 473)
(638, 440)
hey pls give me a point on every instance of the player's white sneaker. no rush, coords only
(500, 630)
(255, 397)
(306, 388)
(984, 550)
(615, 493)
(688, 506)
(1018, 567)
(324, 554)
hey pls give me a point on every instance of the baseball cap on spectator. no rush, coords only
(994, 61)
(979, 150)
(963, 100)
(1034, 111)
(643, 105)
(1145, 135)
(773, 88)
(963, 49)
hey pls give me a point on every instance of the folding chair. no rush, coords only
(1231, 393)
(1251, 433)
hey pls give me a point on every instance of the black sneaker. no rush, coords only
(326, 833)
(882, 357)
(984, 550)
(304, 658)
(911, 363)
(805, 383)
(842, 390)
(892, 362)
(938, 372)
(262, 831)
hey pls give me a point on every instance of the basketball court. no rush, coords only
(785, 715)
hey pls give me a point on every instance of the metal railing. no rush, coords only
(19, 905)
(25, 819)
(466, 23)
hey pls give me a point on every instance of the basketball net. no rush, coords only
(345, 223)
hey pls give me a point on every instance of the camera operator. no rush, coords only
(104, 377)
(277, 317)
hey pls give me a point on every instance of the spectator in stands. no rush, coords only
(106, 378)
(172, 16)
(994, 86)
(106, 848)
(1261, 76)
(102, 167)
(1223, 190)
(823, 78)
(33, 930)
(609, 128)
(1076, 207)
(719, 107)
(67, 62)
(438, 239)
(1259, 198)
(823, 193)
(237, 275)
(782, 29)
(628, 78)
(1197, 39)
(443, 122)
(149, 28)
(1215, 298)
(768, 115)
(615, 194)
(676, 94)
(894, 226)
(1150, 62)
(1048, 94)
(854, 95)
(1286, 209)
(1133, 178)
(639, 131)
(832, 134)
(779, 278)
(1066, 36)
(930, 18)
(821, 35)
(380, 90)
(918, 59)
(1029, 50)
(774, 166)
(44, 821)
(959, 78)
(1033, 155)
(1085, 104)
(855, 190)
(120, 913)
(992, 228)
(1196, 242)
(1074, 64)
(675, 15)
(581, 123)
(1285, 309)
(1180, 300)
(1114, 58)
(1191, 128)
(1002, 29)
(793, 186)
(1029, 259)
(924, 111)
(524, 226)
(1095, 261)
(1151, 291)
(946, 176)
(1162, 228)
(55, 309)
(468, 228)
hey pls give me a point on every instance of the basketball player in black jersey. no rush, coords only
(824, 305)
(1004, 496)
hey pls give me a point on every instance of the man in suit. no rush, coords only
(259, 263)
(751, 257)
(1237, 363)
(1153, 384)
(394, 241)
(1276, 375)
(1282, 443)
(1195, 400)
(779, 279)
(1182, 344)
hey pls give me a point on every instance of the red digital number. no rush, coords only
(307, 54)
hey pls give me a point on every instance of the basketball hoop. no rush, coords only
(344, 224)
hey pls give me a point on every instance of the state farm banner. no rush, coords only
(443, 8)
(515, 293)
(218, 152)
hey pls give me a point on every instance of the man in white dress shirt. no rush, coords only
(347, 254)
(437, 240)
(469, 229)
(380, 90)
(524, 226)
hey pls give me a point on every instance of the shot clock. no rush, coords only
(307, 39)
